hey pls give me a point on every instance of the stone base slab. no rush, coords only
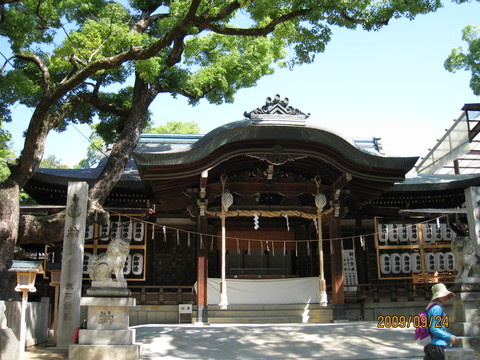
(108, 292)
(111, 284)
(104, 352)
(459, 354)
(463, 328)
(106, 337)
(105, 301)
(470, 342)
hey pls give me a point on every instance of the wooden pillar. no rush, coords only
(23, 325)
(338, 297)
(202, 274)
(322, 282)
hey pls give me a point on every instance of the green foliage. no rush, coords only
(6, 155)
(468, 60)
(95, 151)
(175, 127)
(52, 162)
(82, 54)
(25, 199)
(97, 148)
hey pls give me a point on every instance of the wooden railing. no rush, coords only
(390, 292)
(163, 295)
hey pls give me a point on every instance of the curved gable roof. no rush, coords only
(246, 137)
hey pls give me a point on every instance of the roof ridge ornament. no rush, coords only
(277, 112)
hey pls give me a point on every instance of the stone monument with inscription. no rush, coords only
(72, 263)
(108, 303)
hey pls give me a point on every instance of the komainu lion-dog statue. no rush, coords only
(102, 266)
(466, 258)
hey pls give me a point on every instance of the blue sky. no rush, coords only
(389, 84)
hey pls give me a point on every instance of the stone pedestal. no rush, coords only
(459, 354)
(107, 335)
(109, 289)
(466, 313)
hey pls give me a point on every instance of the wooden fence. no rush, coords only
(37, 319)
(163, 295)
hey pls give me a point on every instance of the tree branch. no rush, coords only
(177, 51)
(7, 61)
(254, 31)
(44, 69)
(344, 16)
(96, 102)
(65, 109)
(224, 12)
(193, 9)
(37, 12)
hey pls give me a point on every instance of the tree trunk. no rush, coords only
(32, 153)
(9, 215)
(143, 95)
(41, 229)
(48, 229)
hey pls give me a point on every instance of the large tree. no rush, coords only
(66, 56)
(469, 59)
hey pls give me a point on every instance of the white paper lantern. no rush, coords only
(430, 262)
(137, 264)
(382, 233)
(115, 230)
(385, 264)
(89, 232)
(406, 263)
(395, 263)
(105, 232)
(449, 261)
(413, 233)
(138, 231)
(86, 262)
(127, 231)
(427, 230)
(440, 261)
(415, 259)
(403, 233)
(393, 233)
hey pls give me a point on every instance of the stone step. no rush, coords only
(267, 320)
(269, 306)
(265, 312)
(274, 314)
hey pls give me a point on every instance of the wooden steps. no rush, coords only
(269, 314)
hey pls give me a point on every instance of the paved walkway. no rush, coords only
(351, 340)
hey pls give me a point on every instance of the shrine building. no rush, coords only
(274, 219)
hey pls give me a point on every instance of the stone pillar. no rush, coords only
(72, 263)
(465, 321)
(466, 306)
(472, 200)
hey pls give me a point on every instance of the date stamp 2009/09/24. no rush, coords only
(395, 321)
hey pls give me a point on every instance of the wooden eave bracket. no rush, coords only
(335, 190)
